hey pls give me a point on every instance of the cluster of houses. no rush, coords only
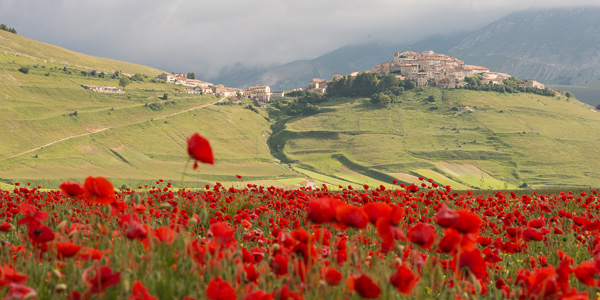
(103, 89)
(428, 68)
(423, 68)
(261, 94)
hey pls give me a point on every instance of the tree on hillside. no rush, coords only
(6, 28)
(364, 84)
(387, 83)
(124, 81)
(382, 99)
(191, 75)
(137, 77)
(24, 69)
(409, 84)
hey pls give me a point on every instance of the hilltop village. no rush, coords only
(423, 69)
(428, 69)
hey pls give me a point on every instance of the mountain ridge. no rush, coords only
(555, 46)
(528, 54)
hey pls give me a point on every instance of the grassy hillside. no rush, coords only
(50, 56)
(133, 138)
(52, 129)
(465, 139)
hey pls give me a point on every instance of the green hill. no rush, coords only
(465, 139)
(53, 129)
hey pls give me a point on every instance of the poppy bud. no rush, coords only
(61, 226)
(60, 288)
(165, 205)
(30, 295)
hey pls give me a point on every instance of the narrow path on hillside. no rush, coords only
(110, 127)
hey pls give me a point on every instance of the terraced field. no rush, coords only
(466, 139)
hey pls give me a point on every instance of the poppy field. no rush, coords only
(417, 241)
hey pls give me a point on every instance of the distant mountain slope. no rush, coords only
(345, 60)
(296, 74)
(559, 46)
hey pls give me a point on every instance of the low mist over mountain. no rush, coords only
(558, 46)
(296, 74)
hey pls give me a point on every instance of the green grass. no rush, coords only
(502, 142)
(132, 138)
(467, 139)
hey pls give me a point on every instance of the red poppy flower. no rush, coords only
(467, 222)
(484, 240)
(532, 234)
(351, 216)
(32, 215)
(165, 234)
(397, 214)
(412, 188)
(67, 249)
(135, 230)
(472, 261)
(197, 249)
(219, 289)
(71, 189)
(422, 234)
(450, 241)
(321, 210)
(140, 292)
(251, 273)
(19, 291)
(386, 232)
(404, 280)
(538, 283)
(89, 254)
(366, 288)
(221, 234)
(322, 235)
(103, 278)
(280, 264)
(286, 293)
(259, 295)
(377, 210)
(8, 275)
(445, 216)
(332, 276)
(580, 221)
(39, 233)
(99, 190)
(199, 149)
(6, 227)
(536, 223)
(585, 272)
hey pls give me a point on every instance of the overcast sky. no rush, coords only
(205, 36)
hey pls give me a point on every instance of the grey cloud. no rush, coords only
(205, 36)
